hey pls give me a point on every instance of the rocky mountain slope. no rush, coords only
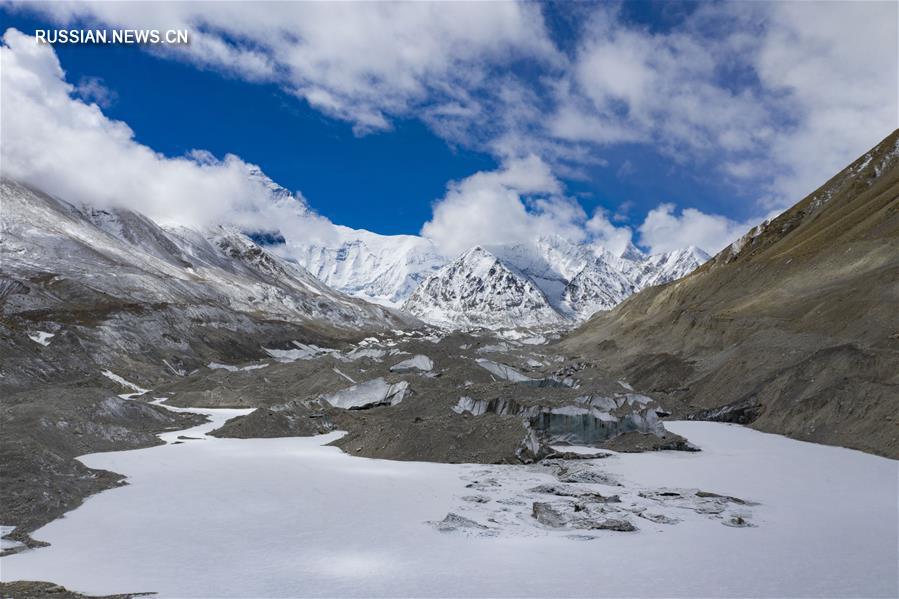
(117, 287)
(794, 328)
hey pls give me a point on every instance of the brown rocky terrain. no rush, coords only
(794, 328)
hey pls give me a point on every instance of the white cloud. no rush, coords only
(784, 94)
(603, 233)
(69, 148)
(513, 204)
(776, 94)
(666, 229)
(837, 63)
(92, 89)
(773, 97)
(361, 62)
(517, 203)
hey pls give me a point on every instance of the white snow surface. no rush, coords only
(125, 383)
(8, 543)
(384, 269)
(480, 290)
(558, 278)
(231, 368)
(42, 337)
(291, 517)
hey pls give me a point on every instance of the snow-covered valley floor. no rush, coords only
(290, 517)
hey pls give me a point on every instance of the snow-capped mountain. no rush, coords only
(575, 279)
(478, 290)
(384, 269)
(661, 268)
(122, 256)
(553, 278)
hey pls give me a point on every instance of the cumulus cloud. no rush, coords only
(513, 204)
(666, 228)
(69, 148)
(605, 234)
(836, 65)
(517, 204)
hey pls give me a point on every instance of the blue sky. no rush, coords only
(676, 120)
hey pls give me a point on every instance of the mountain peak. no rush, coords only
(632, 252)
(478, 290)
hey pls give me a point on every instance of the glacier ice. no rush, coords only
(417, 362)
(370, 394)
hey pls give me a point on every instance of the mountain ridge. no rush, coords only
(792, 328)
(151, 296)
(389, 269)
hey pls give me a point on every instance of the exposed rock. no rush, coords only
(581, 516)
(743, 411)
(571, 491)
(28, 589)
(657, 518)
(476, 498)
(454, 522)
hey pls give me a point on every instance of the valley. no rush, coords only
(166, 388)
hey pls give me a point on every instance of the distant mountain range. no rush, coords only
(551, 281)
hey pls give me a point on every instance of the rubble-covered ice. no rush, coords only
(416, 362)
(501, 370)
(303, 351)
(376, 392)
(371, 353)
(583, 424)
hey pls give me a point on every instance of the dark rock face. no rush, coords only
(744, 411)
